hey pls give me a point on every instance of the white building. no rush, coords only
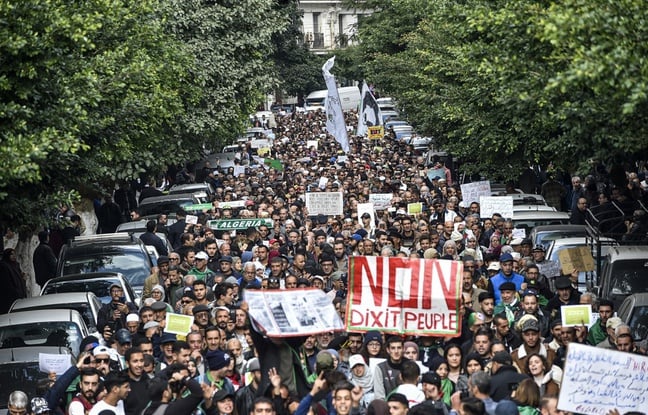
(327, 24)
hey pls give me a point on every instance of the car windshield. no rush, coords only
(24, 376)
(133, 264)
(629, 277)
(100, 288)
(83, 308)
(49, 333)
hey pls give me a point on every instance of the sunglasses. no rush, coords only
(106, 360)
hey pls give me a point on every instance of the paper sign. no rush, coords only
(312, 143)
(471, 192)
(260, 143)
(178, 323)
(596, 381)
(229, 224)
(238, 170)
(322, 182)
(263, 151)
(381, 201)
(191, 219)
(231, 204)
(519, 233)
(404, 296)
(367, 208)
(290, 313)
(550, 269)
(375, 132)
(57, 363)
(432, 173)
(324, 203)
(576, 315)
(342, 159)
(579, 258)
(414, 208)
(496, 204)
(199, 207)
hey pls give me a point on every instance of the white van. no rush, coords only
(349, 98)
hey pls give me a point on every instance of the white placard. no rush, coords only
(596, 381)
(471, 192)
(57, 363)
(519, 233)
(238, 170)
(231, 204)
(324, 203)
(496, 204)
(367, 208)
(312, 143)
(261, 143)
(381, 201)
(322, 182)
(191, 219)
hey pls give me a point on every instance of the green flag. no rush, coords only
(274, 163)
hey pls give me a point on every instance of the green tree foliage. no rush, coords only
(502, 84)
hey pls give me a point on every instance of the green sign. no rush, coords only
(201, 206)
(231, 224)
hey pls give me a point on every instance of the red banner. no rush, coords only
(404, 296)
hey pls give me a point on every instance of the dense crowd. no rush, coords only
(508, 358)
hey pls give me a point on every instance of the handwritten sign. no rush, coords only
(57, 363)
(496, 204)
(178, 323)
(403, 295)
(579, 258)
(375, 132)
(414, 208)
(381, 201)
(471, 192)
(191, 219)
(312, 143)
(294, 312)
(575, 315)
(550, 269)
(260, 143)
(324, 203)
(596, 381)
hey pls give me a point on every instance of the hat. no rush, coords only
(336, 276)
(366, 216)
(225, 258)
(151, 324)
(506, 407)
(613, 322)
(273, 241)
(356, 237)
(163, 259)
(356, 359)
(516, 256)
(456, 236)
(168, 338)
(494, 266)
(132, 317)
(123, 336)
(100, 350)
(539, 248)
(221, 394)
(526, 241)
(431, 378)
(202, 255)
(39, 405)
(507, 286)
(503, 358)
(530, 324)
(231, 280)
(363, 233)
(506, 257)
(371, 336)
(217, 359)
(430, 253)
(114, 284)
(563, 282)
(188, 292)
(398, 397)
(323, 361)
(253, 364)
(317, 277)
(159, 306)
(200, 308)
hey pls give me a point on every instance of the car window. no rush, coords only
(100, 288)
(133, 264)
(83, 308)
(47, 333)
(639, 322)
(24, 376)
(628, 277)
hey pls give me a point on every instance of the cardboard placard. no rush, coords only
(579, 258)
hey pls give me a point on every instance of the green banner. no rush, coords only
(199, 207)
(231, 224)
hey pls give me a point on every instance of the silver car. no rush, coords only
(86, 303)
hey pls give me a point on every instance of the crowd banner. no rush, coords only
(290, 313)
(230, 224)
(381, 201)
(409, 296)
(471, 192)
(596, 381)
(335, 124)
(324, 203)
(496, 204)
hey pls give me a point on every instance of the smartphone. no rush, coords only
(122, 300)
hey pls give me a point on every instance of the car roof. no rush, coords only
(628, 252)
(29, 354)
(90, 276)
(117, 238)
(577, 240)
(168, 198)
(38, 316)
(539, 214)
(557, 228)
(57, 298)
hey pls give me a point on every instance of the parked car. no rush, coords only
(544, 234)
(529, 219)
(634, 312)
(86, 303)
(116, 252)
(96, 282)
(624, 273)
(56, 327)
(192, 188)
(171, 203)
(19, 370)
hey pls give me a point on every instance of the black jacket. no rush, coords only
(504, 381)
(44, 263)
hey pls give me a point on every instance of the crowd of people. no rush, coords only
(508, 358)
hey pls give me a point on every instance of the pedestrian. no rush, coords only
(13, 279)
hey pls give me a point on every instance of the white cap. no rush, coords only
(101, 350)
(132, 317)
(202, 255)
(356, 359)
(494, 266)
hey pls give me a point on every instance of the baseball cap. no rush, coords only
(506, 257)
(530, 324)
(431, 378)
(202, 255)
(356, 359)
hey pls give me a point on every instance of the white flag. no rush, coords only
(334, 116)
(370, 114)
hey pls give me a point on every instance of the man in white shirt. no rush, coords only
(117, 388)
